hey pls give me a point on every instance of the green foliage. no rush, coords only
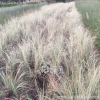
(9, 12)
(15, 4)
(90, 12)
(8, 5)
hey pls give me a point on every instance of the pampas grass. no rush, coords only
(50, 37)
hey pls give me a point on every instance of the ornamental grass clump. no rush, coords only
(53, 39)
